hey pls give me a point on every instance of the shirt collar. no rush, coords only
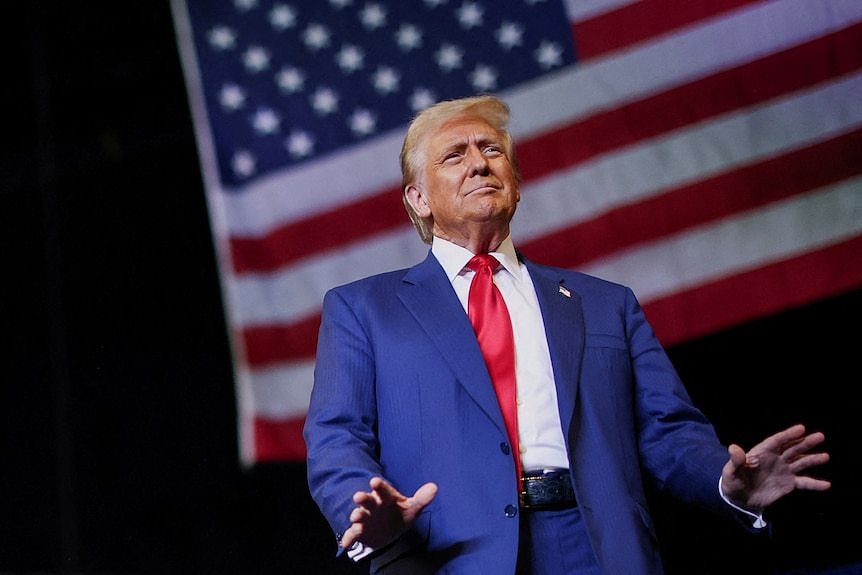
(454, 258)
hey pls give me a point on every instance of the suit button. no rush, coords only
(504, 447)
(510, 511)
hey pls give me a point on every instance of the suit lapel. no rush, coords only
(428, 295)
(563, 317)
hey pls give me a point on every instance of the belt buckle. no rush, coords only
(545, 491)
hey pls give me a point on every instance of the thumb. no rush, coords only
(424, 495)
(737, 455)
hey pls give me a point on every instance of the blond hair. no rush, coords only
(486, 107)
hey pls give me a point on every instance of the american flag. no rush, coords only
(707, 153)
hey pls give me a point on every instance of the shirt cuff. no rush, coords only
(759, 521)
(359, 551)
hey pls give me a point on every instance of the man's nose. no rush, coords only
(477, 161)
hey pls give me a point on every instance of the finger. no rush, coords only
(350, 537)
(779, 441)
(367, 500)
(359, 515)
(812, 484)
(811, 460)
(804, 445)
(384, 491)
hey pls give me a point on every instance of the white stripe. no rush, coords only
(605, 83)
(624, 176)
(738, 244)
(651, 167)
(297, 292)
(282, 392)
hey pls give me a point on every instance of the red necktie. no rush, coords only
(493, 327)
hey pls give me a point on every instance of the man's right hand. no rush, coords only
(383, 514)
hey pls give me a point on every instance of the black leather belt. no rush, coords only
(547, 489)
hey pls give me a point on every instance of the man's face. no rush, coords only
(467, 179)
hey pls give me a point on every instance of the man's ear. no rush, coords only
(418, 200)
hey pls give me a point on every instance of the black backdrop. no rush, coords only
(119, 450)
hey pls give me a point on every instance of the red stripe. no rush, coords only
(278, 440)
(327, 230)
(781, 73)
(726, 194)
(758, 293)
(641, 20)
(270, 344)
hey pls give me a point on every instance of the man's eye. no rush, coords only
(493, 150)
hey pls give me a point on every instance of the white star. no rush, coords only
(266, 121)
(385, 80)
(449, 57)
(549, 55)
(324, 101)
(245, 5)
(531, 2)
(421, 98)
(408, 37)
(299, 144)
(316, 36)
(362, 122)
(372, 16)
(290, 79)
(470, 15)
(282, 17)
(222, 38)
(483, 77)
(256, 59)
(434, 3)
(243, 163)
(231, 97)
(509, 35)
(339, 4)
(350, 58)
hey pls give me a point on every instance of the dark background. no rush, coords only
(119, 448)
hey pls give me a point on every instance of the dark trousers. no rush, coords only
(555, 543)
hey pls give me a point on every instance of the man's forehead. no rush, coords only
(463, 129)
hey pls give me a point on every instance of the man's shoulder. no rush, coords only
(571, 277)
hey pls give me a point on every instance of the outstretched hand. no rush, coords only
(773, 468)
(383, 513)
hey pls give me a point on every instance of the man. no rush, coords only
(409, 454)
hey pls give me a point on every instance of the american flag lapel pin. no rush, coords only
(564, 290)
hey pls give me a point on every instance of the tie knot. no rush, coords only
(483, 261)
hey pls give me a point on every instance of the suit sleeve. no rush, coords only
(340, 426)
(679, 447)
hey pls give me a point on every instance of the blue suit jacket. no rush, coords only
(401, 391)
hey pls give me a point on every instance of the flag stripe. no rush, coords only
(633, 23)
(753, 83)
(278, 439)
